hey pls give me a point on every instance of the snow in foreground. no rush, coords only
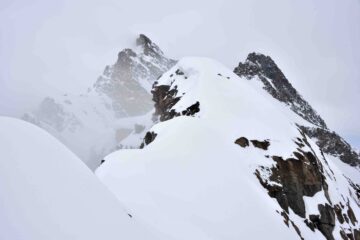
(46, 192)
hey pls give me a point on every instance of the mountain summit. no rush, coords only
(117, 107)
(259, 67)
(263, 68)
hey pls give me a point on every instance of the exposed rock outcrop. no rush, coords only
(166, 96)
(149, 138)
(277, 85)
(261, 144)
(263, 68)
(325, 222)
(291, 179)
(331, 143)
(295, 178)
(242, 142)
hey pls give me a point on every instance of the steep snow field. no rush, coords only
(193, 182)
(46, 192)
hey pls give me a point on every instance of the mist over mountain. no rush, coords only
(61, 47)
(115, 110)
(193, 150)
(219, 120)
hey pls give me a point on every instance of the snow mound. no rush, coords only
(46, 192)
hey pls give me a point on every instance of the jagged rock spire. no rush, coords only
(149, 48)
(133, 75)
(275, 83)
(278, 86)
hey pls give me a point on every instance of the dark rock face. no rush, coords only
(339, 214)
(357, 234)
(351, 215)
(277, 85)
(166, 96)
(261, 144)
(296, 178)
(242, 141)
(293, 178)
(326, 221)
(259, 66)
(356, 187)
(190, 111)
(289, 180)
(179, 72)
(299, 177)
(149, 138)
(350, 235)
(331, 143)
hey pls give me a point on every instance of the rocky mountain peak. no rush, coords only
(93, 124)
(148, 47)
(133, 75)
(257, 63)
(261, 67)
(124, 56)
(275, 82)
(143, 40)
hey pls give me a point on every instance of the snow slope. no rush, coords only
(46, 192)
(191, 181)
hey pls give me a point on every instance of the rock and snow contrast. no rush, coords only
(262, 68)
(46, 192)
(228, 160)
(116, 110)
(194, 151)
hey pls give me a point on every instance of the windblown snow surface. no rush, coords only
(46, 192)
(194, 182)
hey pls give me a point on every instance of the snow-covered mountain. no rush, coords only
(259, 67)
(228, 160)
(223, 154)
(46, 192)
(116, 110)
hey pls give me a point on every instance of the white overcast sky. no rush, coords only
(50, 47)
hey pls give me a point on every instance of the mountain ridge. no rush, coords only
(220, 129)
(277, 85)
